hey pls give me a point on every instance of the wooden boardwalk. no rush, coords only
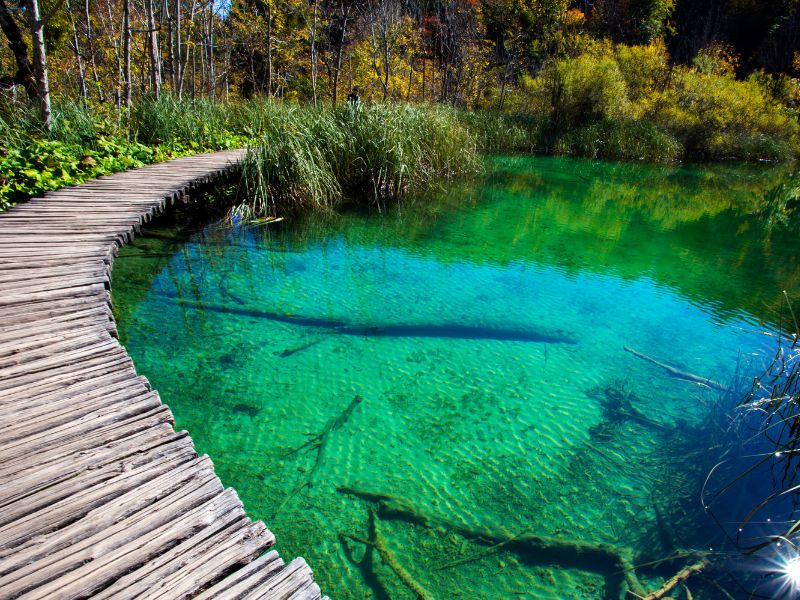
(99, 496)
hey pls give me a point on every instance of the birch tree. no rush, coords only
(40, 64)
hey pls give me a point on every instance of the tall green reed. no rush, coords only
(359, 154)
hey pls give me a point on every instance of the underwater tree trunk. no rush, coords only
(614, 563)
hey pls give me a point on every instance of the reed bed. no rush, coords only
(353, 154)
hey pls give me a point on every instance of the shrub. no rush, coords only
(719, 117)
(588, 87)
(644, 68)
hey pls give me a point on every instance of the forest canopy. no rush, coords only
(470, 53)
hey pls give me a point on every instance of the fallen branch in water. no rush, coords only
(289, 351)
(606, 455)
(483, 554)
(678, 374)
(378, 542)
(613, 563)
(319, 442)
(676, 580)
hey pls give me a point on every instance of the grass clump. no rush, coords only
(185, 125)
(358, 154)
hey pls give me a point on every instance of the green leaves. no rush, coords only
(39, 165)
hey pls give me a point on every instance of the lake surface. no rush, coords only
(456, 368)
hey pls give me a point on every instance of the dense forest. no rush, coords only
(471, 53)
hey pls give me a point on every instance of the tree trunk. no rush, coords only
(186, 60)
(40, 64)
(203, 50)
(386, 57)
(16, 43)
(166, 13)
(410, 78)
(340, 50)
(126, 34)
(109, 26)
(212, 75)
(194, 71)
(269, 49)
(424, 75)
(155, 54)
(226, 42)
(90, 42)
(314, 54)
(77, 50)
(176, 57)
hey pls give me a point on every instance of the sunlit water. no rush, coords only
(464, 358)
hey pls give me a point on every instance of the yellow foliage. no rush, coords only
(645, 69)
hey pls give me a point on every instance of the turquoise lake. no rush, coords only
(462, 360)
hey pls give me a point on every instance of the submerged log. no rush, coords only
(676, 580)
(378, 542)
(290, 351)
(483, 554)
(318, 443)
(678, 374)
(618, 405)
(615, 564)
(453, 331)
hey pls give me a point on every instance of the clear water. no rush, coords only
(483, 333)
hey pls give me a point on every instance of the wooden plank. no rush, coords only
(115, 379)
(65, 468)
(240, 582)
(28, 420)
(105, 486)
(37, 440)
(115, 361)
(175, 448)
(124, 531)
(293, 579)
(84, 442)
(205, 557)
